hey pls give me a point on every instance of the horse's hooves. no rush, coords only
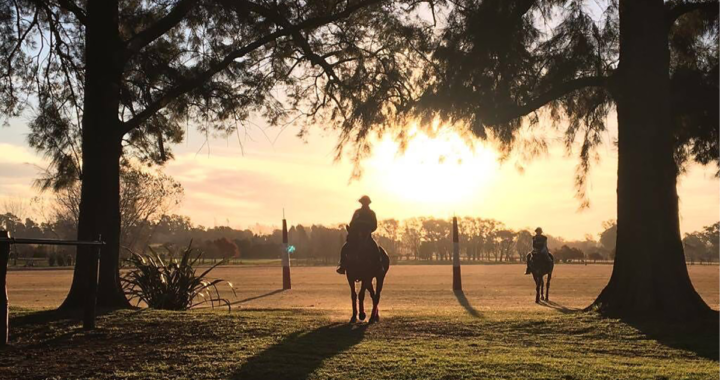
(373, 320)
(537, 301)
(353, 319)
(362, 316)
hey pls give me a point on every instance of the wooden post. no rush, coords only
(91, 300)
(285, 257)
(4, 306)
(457, 281)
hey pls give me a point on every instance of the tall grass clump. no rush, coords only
(171, 284)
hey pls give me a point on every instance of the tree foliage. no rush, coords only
(213, 64)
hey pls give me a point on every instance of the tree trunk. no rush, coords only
(101, 152)
(649, 276)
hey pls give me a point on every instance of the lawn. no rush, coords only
(427, 331)
(302, 344)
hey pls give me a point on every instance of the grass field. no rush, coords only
(491, 330)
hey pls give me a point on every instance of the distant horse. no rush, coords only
(360, 267)
(539, 268)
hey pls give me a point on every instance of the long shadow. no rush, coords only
(460, 295)
(299, 354)
(561, 308)
(258, 297)
(700, 336)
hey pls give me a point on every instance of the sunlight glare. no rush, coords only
(444, 169)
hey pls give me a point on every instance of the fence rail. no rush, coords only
(89, 313)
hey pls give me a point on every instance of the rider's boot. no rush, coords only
(527, 269)
(340, 268)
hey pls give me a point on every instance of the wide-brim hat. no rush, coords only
(365, 200)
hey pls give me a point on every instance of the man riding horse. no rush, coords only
(540, 249)
(363, 224)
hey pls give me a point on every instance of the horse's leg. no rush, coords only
(542, 288)
(353, 297)
(361, 299)
(373, 294)
(378, 290)
(537, 288)
(547, 288)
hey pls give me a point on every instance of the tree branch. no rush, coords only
(507, 114)
(70, 6)
(191, 83)
(160, 27)
(675, 10)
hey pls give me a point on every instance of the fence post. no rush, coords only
(4, 306)
(91, 300)
(285, 257)
(457, 281)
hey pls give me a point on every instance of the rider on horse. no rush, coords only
(540, 249)
(363, 223)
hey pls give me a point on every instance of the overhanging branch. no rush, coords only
(675, 10)
(70, 6)
(160, 27)
(508, 114)
(193, 82)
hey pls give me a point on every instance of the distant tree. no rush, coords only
(568, 254)
(144, 198)
(595, 256)
(226, 248)
(412, 236)
(711, 234)
(608, 237)
(436, 232)
(506, 243)
(696, 247)
(524, 243)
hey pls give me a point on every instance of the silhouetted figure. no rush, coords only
(540, 249)
(363, 224)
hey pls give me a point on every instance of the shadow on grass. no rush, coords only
(258, 297)
(299, 354)
(700, 336)
(561, 308)
(460, 295)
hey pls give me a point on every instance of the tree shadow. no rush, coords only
(561, 308)
(699, 336)
(299, 354)
(257, 297)
(463, 301)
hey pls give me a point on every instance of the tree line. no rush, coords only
(423, 239)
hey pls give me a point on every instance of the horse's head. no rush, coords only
(353, 235)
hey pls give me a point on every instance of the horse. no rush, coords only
(540, 268)
(360, 268)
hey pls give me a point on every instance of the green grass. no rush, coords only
(300, 344)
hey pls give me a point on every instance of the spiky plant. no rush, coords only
(171, 285)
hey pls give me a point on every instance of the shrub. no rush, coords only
(171, 284)
(51, 260)
(60, 260)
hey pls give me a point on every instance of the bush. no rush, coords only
(51, 260)
(60, 260)
(173, 285)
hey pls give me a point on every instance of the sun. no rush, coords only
(445, 169)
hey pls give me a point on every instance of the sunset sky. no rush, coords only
(435, 177)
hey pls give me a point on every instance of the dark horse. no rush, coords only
(540, 267)
(362, 268)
